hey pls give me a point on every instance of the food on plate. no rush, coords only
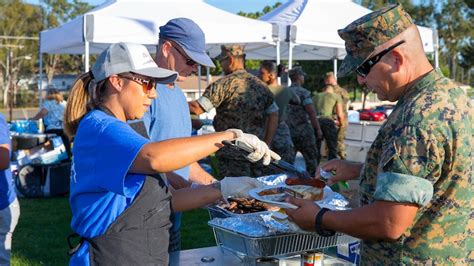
(271, 191)
(308, 182)
(245, 205)
(309, 192)
(300, 191)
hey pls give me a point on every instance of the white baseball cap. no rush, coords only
(130, 57)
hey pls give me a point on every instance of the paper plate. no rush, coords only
(254, 194)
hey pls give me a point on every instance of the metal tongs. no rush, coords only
(279, 164)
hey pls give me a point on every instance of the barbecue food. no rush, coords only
(309, 192)
(307, 182)
(299, 191)
(245, 205)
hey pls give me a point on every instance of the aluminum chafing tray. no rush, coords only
(277, 245)
(217, 212)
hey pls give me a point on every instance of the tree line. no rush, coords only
(452, 19)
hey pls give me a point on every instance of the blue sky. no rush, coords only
(233, 6)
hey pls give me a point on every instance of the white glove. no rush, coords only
(238, 186)
(255, 146)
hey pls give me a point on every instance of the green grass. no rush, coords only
(40, 237)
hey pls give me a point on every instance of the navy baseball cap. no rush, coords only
(190, 37)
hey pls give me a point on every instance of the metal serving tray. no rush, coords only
(277, 245)
(216, 212)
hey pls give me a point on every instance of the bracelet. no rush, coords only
(317, 223)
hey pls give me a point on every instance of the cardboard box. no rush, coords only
(50, 152)
(349, 252)
(357, 150)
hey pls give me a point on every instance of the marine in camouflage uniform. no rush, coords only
(325, 103)
(242, 101)
(282, 142)
(302, 132)
(422, 155)
(341, 130)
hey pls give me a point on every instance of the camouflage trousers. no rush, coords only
(231, 166)
(282, 143)
(341, 145)
(305, 142)
(328, 127)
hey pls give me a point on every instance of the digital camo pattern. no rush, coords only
(301, 130)
(366, 33)
(282, 143)
(328, 127)
(296, 114)
(241, 100)
(429, 135)
(230, 49)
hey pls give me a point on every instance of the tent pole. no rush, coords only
(86, 44)
(335, 67)
(436, 47)
(208, 74)
(290, 59)
(86, 56)
(199, 81)
(40, 81)
(278, 59)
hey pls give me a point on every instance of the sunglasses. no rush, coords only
(364, 69)
(189, 61)
(147, 84)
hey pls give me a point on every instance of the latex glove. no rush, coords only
(238, 186)
(257, 148)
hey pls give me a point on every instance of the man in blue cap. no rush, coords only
(181, 47)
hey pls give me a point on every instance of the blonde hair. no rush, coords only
(80, 102)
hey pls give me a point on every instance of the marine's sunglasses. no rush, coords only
(189, 61)
(147, 84)
(364, 69)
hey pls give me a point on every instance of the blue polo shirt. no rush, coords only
(169, 118)
(7, 191)
(101, 185)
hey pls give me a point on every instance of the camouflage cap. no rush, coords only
(297, 70)
(230, 49)
(370, 31)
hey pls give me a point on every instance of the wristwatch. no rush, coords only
(317, 223)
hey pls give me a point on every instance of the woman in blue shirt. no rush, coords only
(52, 112)
(120, 204)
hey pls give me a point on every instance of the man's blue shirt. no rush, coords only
(168, 118)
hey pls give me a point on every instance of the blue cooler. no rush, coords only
(24, 126)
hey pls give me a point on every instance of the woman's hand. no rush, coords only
(257, 148)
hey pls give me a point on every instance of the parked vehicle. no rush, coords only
(372, 115)
(386, 108)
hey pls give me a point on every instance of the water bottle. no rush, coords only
(40, 126)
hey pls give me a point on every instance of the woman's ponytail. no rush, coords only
(77, 103)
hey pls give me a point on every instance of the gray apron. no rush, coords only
(140, 235)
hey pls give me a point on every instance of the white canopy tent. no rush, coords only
(314, 25)
(138, 21)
